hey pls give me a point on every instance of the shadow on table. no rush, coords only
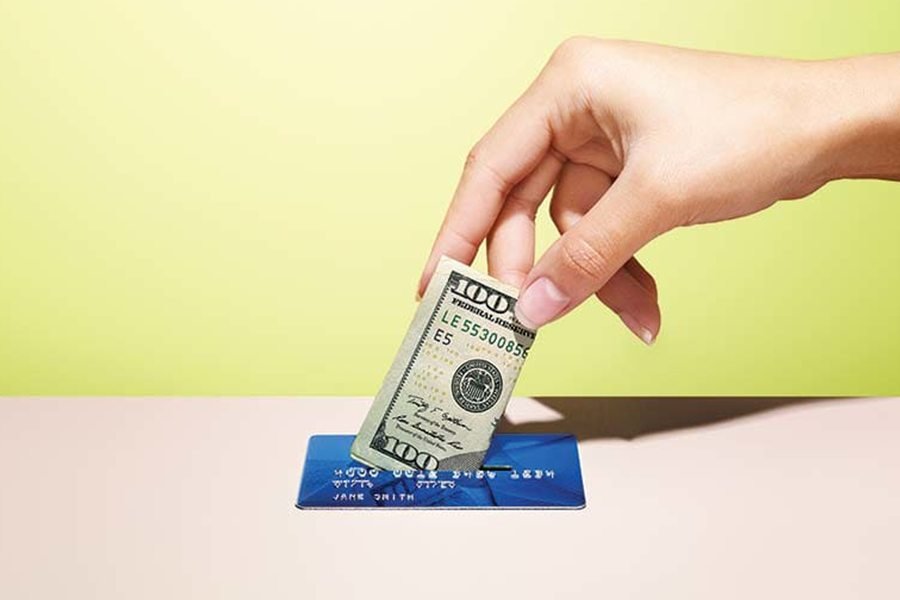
(627, 418)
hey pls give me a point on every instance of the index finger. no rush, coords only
(502, 158)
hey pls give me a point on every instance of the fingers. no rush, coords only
(641, 275)
(511, 241)
(630, 291)
(579, 187)
(510, 151)
(636, 305)
(585, 258)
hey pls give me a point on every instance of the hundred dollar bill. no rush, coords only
(450, 382)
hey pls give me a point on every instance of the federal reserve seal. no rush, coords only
(476, 385)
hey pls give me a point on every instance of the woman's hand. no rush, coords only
(635, 140)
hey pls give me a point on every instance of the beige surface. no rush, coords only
(193, 498)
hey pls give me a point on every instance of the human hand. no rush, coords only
(635, 140)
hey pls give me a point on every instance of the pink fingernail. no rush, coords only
(639, 330)
(540, 303)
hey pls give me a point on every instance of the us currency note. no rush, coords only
(452, 378)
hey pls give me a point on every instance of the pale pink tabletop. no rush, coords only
(687, 498)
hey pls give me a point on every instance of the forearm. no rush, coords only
(861, 129)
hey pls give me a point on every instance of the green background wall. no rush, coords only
(223, 197)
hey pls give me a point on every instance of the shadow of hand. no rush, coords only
(589, 417)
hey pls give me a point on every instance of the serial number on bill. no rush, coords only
(477, 331)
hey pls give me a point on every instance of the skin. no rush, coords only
(635, 140)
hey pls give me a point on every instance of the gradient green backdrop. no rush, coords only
(235, 197)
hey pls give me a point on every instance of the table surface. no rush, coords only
(686, 498)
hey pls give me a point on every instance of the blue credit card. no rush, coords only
(522, 471)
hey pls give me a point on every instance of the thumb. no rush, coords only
(581, 261)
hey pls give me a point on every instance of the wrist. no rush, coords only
(858, 114)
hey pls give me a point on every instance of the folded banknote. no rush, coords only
(449, 383)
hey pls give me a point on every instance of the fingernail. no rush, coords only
(420, 289)
(639, 330)
(540, 303)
